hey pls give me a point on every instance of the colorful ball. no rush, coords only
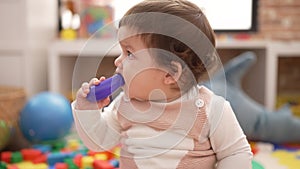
(46, 117)
(5, 134)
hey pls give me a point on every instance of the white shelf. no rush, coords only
(262, 79)
(85, 47)
(275, 51)
(60, 69)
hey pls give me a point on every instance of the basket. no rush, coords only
(12, 100)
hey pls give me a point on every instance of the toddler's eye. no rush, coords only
(130, 55)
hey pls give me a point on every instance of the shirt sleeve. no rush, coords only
(99, 131)
(227, 138)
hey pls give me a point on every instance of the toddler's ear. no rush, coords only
(174, 74)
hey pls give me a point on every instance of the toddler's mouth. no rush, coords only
(118, 71)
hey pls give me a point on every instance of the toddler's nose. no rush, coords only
(118, 61)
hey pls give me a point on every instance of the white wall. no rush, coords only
(12, 40)
(42, 26)
(27, 29)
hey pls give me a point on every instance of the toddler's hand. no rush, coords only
(82, 103)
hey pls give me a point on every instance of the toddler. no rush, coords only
(163, 118)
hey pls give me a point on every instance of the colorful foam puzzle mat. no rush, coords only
(72, 154)
(276, 156)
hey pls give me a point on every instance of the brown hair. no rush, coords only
(179, 8)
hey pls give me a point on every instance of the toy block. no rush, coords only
(3, 165)
(61, 166)
(87, 161)
(30, 154)
(6, 156)
(101, 156)
(16, 157)
(56, 157)
(41, 166)
(73, 144)
(58, 145)
(116, 152)
(43, 148)
(71, 163)
(12, 167)
(114, 162)
(91, 153)
(40, 159)
(100, 164)
(77, 160)
(25, 165)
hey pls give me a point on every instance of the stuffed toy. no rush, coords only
(258, 123)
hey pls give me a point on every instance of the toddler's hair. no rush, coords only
(198, 65)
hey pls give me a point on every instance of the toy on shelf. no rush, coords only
(96, 19)
(258, 122)
(69, 20)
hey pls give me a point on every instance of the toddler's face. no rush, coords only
(143, 78)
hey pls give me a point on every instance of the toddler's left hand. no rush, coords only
(82, 103)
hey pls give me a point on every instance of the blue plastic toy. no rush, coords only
(46, 117)
(258, 122)
(105, 88)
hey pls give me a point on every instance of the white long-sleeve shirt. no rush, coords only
(198, 130)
